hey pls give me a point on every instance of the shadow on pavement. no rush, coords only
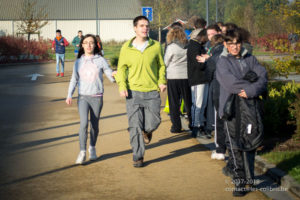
(169, 140)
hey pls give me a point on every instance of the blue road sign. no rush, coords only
(148, 12)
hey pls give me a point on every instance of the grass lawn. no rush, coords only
(288, 161)
(109, 52)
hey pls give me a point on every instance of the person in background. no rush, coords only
(198, 82)
(88, 76)
(198, 24)
(100, 45)
(76, 42)
(59, 44)
(178, 85)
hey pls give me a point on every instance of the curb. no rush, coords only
(277, 175)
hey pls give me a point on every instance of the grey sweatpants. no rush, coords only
(86, 105)
(143, 112)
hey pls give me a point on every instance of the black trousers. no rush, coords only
(210, 111)
(220, 136)
(179, 89)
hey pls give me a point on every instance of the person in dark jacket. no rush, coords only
(234, 63)
(198, 82)
(216, 50)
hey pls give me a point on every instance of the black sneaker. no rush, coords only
(202, 134)
(239, 191)
(208, 134)
(173, 130)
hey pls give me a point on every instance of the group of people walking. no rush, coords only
(215, 76)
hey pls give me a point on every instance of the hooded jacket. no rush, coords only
(176, 61)
(88, 75)
(230, 72)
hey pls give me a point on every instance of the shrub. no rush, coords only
(279, 117)
(114, 61)
(271, 42)
(15, 49)
(295, 110)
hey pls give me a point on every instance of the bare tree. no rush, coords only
(32, 18)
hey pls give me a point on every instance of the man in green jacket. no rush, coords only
(76, 42)
(140, 76)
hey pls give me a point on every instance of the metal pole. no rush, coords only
(217, 11)
(207, 9)
(97, 28)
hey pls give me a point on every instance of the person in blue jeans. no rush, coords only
(59, 44)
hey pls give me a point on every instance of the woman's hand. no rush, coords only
(69, 101)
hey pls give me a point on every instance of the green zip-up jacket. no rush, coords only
(138, 71)
(76, 41)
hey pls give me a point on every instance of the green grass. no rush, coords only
(288, 161)
(109, 52)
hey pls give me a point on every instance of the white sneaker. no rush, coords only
(80, 158)
(217, 156)
(93, 155)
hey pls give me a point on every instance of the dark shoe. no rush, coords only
(208, 134)
(147, 137)
(139, 163)
(195, 132)
(239, 191)
(175, 131)
(201, 134)
(227, 172)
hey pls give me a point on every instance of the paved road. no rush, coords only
(39, 145)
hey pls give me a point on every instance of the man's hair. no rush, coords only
(220, 24)
(80, 31)
(245, 34)
(58, 31)
(138, 18)
(233, 34)
(214, 27)
(199, 23)
(230, 26)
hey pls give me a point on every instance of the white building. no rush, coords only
(114, 17)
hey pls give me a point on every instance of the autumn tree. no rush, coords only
(32, 18)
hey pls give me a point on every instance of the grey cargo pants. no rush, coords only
(143, 112)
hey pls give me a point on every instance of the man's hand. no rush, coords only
(124, 93)
(69, 101)
(52, 49)
(162, 87)
(62, 44)
(243, 94)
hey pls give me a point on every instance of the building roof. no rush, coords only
(75, 9)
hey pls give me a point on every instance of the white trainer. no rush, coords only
(217, 156)
(92, 151)
(80, 158)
